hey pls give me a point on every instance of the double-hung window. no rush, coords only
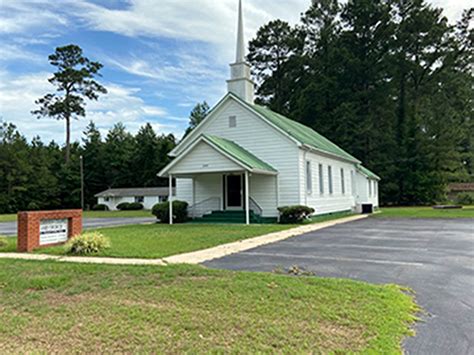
(353, 188)
(321, 179)
(309, 178)
(343, 183)
(330, 179)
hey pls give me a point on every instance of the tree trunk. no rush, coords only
(68, 140)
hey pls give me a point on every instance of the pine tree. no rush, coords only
(74, 82)
(197, 115)
(94, 162)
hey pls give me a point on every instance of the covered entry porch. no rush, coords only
(222, 182)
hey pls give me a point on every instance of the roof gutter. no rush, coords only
(332, 155)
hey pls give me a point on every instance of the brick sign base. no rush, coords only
(29, 227)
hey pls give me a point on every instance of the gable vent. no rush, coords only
(232, 121)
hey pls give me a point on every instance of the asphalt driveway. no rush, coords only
(9, 228)
(434, 257)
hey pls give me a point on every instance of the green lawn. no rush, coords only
(161, 240)
(425, 212)
(51, 307)
(93, 214)
(7, 217)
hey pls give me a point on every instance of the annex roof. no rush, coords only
(367, 172)
(139, 191)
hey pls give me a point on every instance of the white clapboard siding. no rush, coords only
(262, 140)
(204, 158)
(184, 190)
(364, 195)
(207, 186)
(326, 202)
(263, 191)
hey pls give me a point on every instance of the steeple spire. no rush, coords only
(240, 57)
(240, 83)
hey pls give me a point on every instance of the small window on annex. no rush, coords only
(309, 178)
(139, 199)
(232, 121)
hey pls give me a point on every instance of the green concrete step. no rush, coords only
(232, 217)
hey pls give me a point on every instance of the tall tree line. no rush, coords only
(388, 80)
(33, 175)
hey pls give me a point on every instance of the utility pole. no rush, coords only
(81, 159)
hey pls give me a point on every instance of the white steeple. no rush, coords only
(240, 82)
(240, 57)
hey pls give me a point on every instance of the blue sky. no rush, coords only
(160, 57)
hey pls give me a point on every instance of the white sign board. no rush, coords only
(53, 231)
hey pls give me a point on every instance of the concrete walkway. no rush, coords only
(196, 257)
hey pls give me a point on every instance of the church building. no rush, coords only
(243, 161)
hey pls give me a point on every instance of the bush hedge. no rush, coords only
(123, 206)
(180, 211)
(86, 244)
(294, 214)
(100, 207)
(130, 206)
(134, 206)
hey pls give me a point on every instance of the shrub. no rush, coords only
(123, 206)
(294, 214)
(3, 242)
(180, 211)
(86, 244)
(100, 207)
(135, 206)
(465, 199)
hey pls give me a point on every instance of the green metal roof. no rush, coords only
(302, 133)
(239, 153)
(367, 172)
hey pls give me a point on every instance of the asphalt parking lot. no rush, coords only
(435, 257)
(9, 228)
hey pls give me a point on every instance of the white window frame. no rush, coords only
(370, 188)
(309, 178)
(330, 182)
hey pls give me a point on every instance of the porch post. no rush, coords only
(194, 197)
(247, 198)
(170, 199)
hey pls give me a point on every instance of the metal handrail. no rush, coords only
(255, 207)
(205, 206)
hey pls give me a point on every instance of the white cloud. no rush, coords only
(121, 104)
(20, 16)
(14, 52)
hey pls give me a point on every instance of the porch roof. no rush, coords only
(239, 153)
(229, 149)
